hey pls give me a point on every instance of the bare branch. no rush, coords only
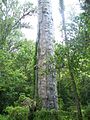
(24, 15)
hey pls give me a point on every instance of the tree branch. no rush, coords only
(24, 15)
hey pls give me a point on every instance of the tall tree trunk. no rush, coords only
(79, 113)
(47, 87)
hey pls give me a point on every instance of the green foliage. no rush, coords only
(17, 72)
(38, 103)
(47, 115)
(25, 101)
(52, 115)
(3, 117)
(16, 54)
(87, 112)
(17, 113)
(22, 109)
(74, 56)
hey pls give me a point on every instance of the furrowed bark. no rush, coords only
(47, 87)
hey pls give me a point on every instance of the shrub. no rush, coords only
(17, 113)
(25, 101)
(47, 115)
(2, 117)
(87, 112)
(44, 114)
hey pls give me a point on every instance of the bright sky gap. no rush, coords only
(32, 33)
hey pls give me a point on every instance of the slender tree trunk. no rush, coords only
(58, 84)
(77, 101)
(79, 113)
(35, 94)
(47, 86)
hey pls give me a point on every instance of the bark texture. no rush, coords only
(47, 87)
